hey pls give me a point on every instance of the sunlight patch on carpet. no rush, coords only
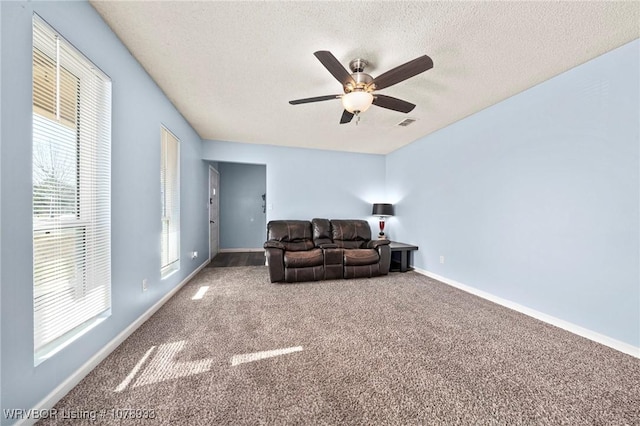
(256, 356)
(122, 386)
(200, 294)
(163, 366)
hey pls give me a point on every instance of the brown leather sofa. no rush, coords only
(323, 249)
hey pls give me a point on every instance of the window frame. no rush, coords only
(169, 264)
(83, 112)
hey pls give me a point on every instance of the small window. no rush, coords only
(71, 166)
(170, 190)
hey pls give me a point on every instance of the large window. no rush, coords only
(170, 190)
(71, 192)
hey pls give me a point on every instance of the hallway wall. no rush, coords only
(243, 222)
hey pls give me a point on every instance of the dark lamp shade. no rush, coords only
(382, 210)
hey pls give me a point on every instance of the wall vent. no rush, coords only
(406, 122)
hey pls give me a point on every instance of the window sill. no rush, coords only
(170, 270)
(52, 348)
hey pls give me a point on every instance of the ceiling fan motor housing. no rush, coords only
(361, 78)
(358, 65)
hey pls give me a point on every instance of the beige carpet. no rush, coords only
(401, 349)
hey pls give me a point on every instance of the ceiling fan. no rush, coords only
(359, 86)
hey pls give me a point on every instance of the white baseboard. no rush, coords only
(565, 325)
(50, 400)
(240, 250)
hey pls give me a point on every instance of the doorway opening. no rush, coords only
(214, 212)
(242, 204)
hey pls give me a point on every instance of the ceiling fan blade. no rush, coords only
(392, 103)
(335, 67)
(346, 117)
(402, 72)
(316, 99)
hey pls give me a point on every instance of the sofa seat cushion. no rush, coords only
(303, 259)
(360, 257)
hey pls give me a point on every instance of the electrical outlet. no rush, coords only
(145, 285)
(441, 259)
(194, 254)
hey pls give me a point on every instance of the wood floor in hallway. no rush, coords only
(227, 259)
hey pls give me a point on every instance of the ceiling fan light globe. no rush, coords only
(358, 101)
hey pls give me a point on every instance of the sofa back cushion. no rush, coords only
(350, 234)
(321, 231)
(295, 235)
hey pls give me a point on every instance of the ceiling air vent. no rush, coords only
(406, 122)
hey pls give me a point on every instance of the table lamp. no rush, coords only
(382, 211)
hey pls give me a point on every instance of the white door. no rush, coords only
(214, 212)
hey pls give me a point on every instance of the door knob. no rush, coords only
(211, 221)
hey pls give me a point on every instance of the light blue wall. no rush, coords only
(307, 183)
(139, 109)
(242, 218)
(1, 49)
(536, 199)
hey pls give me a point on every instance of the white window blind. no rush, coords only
(170, 189)
(71, 191)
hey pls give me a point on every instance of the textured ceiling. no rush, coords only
(231, 67)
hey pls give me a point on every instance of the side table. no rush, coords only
(401, 256)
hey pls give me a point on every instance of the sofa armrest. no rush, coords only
(385, 258)
(275, 262)
(374, 244)
(274, 244)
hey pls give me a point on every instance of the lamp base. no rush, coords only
(381, 235)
